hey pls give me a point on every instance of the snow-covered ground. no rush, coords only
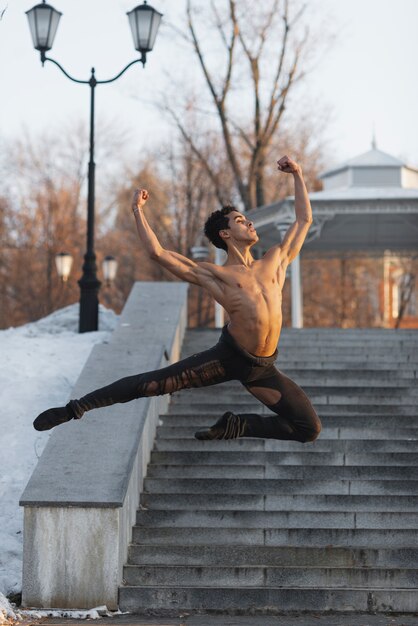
(40, 363)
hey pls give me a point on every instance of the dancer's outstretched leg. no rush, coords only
(209, 367)
(295, 418)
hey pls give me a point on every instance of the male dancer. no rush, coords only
(251, 292)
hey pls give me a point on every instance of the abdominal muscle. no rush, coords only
(255, 320)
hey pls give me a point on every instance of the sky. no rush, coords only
(367, 78)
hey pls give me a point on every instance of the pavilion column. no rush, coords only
(296, 294)
(219, 311)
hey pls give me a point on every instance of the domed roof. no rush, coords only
(375, 158)
(371, 158)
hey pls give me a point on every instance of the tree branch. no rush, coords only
(218, 22)
(213, 177)
(227, 81)
(273, 96)
(266, 27)
(200, 55)
(283, 96)
(220, 101)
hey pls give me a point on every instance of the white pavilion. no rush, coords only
(368, 204)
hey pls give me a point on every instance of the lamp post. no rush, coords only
(43, 22)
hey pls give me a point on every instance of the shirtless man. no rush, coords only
(251, 292)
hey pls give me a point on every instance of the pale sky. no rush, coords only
(369, 77)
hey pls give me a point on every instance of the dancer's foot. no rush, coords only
(52, 417)
(229, 426)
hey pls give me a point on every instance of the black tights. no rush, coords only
(294, 417)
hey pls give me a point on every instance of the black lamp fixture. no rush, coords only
(144, 21)
(43, 23)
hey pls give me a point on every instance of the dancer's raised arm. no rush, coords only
(296, 235)
(180, 266)
(174, 262)
(293, 241)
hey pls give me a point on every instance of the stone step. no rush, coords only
(353, 358)
(321, 330)
(386, 366)
(266, 487)
(346, 411)
(215, 471)
(235, 387)
(369, 420)
(264, 576)
(265, 600)
(302, 334)
(277, 519)
(217, 401)
(338, 432)
(388, 375)
(331, 338)
(216, 410)
(220, 555)
(368, 383)
(256, 445)
(358, 350)
(358, 356)
(327, 384)
(190, 545)
(304, 457)
(297, 502)
(369, 345)
(356, 363)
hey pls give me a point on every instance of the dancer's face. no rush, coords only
(241, 230)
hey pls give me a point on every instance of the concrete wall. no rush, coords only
(80, 503)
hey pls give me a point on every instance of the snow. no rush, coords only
(40, 363)
(9, 615)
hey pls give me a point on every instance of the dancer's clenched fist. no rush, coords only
(140, 198)
(288, 165)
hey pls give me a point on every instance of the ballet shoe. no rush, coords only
(229, 426)
(52, 417)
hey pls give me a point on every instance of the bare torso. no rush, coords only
(252, 297)
(250, 291)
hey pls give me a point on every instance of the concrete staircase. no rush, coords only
(264, 526)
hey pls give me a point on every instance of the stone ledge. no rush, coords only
(80, 503)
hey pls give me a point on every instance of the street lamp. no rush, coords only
(63, 263)
(43, 23)
(110, 267)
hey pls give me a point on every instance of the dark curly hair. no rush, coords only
(217, 221)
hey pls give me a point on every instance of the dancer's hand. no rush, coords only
(288, 165)
(140, 198)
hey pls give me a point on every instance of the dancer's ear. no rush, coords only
(224, 234)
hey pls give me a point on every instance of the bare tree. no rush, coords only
(265, 56)
(42, 213)
(406, 286)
